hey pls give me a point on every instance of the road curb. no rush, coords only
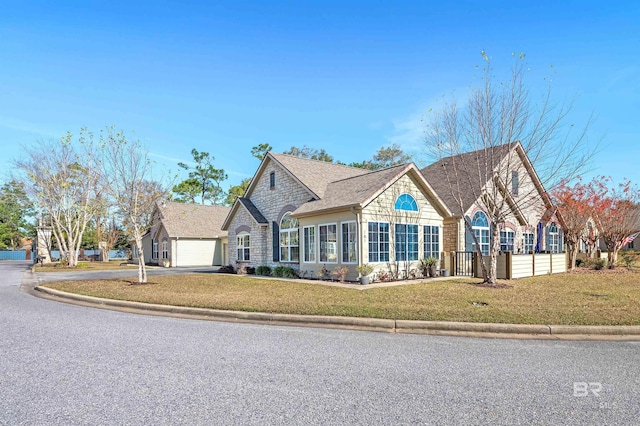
(518, 331)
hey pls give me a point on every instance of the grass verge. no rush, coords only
(567, 299)
(84, 266)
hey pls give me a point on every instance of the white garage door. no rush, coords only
(195, 252)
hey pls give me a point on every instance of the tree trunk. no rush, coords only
(142, 271)
(492, 276)
(613, 256)
(573, 253)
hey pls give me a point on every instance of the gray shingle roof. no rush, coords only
(193, 220)
(353, 191)
(253, 210)
(472, 172)
(314, 174)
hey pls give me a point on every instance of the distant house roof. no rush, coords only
(459, 179)
(193, 220)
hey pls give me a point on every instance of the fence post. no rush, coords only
(509, 266)
(533, 264)
(454, 265)
(474, 266)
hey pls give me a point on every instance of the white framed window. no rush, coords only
(154, 249)
(328, 239)
(553, 244)
(309, 241)
(289, 250)
(406, 241)
(165, 249)
(349, 253)
(378, 241)
(431, 241)
(244, 247)
(506, 240)
(528, 242)
(480, 226)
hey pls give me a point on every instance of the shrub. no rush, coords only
(628, 258)
(364, 269)
(228, 269)
(341, 272)
(598, 264)
(325, 273)
(580, 263)
(263, 270)
(284, 272)
(250, 270)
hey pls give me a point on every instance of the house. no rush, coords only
(530, 221)
(186, 235)
(313, 216)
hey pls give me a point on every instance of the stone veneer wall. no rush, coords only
(270, 202)
(450, 235)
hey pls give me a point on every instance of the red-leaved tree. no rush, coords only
(616, 213)
(576, 206)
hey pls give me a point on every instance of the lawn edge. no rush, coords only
(492, 330)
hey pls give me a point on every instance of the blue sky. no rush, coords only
(349, 77)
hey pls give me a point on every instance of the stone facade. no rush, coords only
(286, 195)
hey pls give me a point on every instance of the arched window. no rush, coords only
(406, 202)
(244, 247)
(480, 226)
(289, 250)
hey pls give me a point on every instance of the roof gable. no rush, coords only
(460, 179)
(192, 220)
(314, 175)
(358, 191)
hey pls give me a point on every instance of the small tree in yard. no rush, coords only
(496, 115)
(61, 178)
(576, 206)
(132, 189)
(616, 213)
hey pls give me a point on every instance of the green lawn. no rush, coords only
(84, 266)
(581, 299)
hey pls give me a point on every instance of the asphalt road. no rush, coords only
(68, 364)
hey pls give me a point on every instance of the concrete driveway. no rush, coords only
(122, 273)
(68, 364)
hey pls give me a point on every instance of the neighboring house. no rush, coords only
(531, 223)
(186, 235)
(313, 215)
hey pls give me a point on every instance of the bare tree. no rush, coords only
(475, 143)
(62, 177)
(132, 189)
